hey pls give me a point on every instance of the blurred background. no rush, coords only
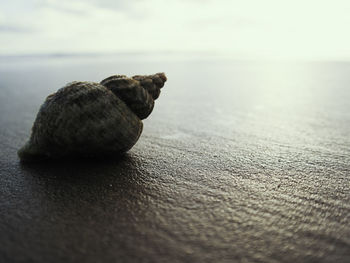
(271, 29)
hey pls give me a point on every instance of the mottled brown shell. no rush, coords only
(87, 119)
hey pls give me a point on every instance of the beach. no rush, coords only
(240, 161)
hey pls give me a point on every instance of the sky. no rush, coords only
(315, 29)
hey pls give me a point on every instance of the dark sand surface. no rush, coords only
(239, 162)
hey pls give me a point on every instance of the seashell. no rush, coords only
(88, 119)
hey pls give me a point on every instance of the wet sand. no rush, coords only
(239, 162)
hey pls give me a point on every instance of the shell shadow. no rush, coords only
(79, 182)
(80, 168)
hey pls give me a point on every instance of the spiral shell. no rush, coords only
(88, 119)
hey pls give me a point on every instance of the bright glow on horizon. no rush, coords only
(311, 29)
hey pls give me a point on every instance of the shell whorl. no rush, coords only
(87, 119)
(138, 92)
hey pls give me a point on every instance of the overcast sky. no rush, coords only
(245, 28)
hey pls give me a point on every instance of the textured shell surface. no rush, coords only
(88, 119)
